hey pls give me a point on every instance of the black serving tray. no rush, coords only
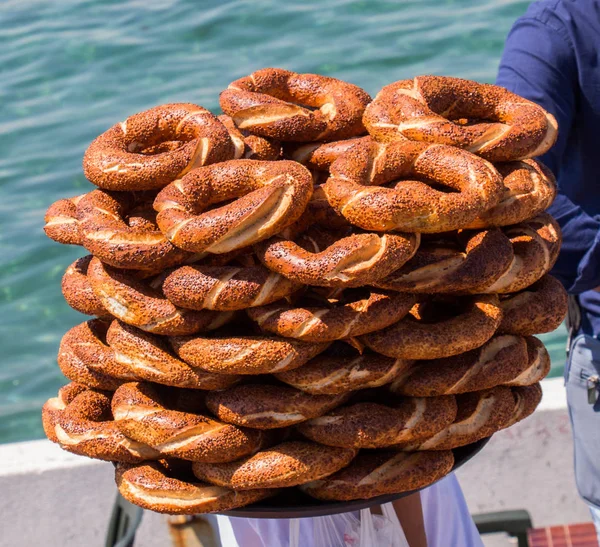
(293, 503)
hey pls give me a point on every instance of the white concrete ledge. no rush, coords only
(37, 457)
(554, 395)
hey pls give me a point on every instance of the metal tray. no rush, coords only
(293, 503)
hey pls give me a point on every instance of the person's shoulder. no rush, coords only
(566, 16)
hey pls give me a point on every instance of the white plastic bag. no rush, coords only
(362, 529)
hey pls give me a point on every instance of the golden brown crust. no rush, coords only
(527, 398)
(422, 108)
(357, 187)
(77, 290)
(331, 375)
(225, 288)
(376, 473)
(267, 197)
(53, 407)
(267, 103)
(248, 355)
(539, 308)
(138, 303)
(536, 243)
(319, 213)
(324, 260)
(129, 157)
(538, 364)
(148, 357)
(248, 146)
(158, 417)
(110, 234)
(104, 359)
(84, 357)
(454, 264)
(61, 222)
(499, 361)
(152, 487)
(284, 465)
(81, 422)
(375, 425)
(480, 414)
(262, 406)
(529, 189)
(335, 319)
(321, 155)
(427, 334)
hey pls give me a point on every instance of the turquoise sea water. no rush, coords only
(71, 69)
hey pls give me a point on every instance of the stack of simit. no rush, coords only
(314, 290)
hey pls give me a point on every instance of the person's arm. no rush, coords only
(410, 515)
(539, 64)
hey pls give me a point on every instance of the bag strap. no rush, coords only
(368, 536)
(390, 513)
(573, 320)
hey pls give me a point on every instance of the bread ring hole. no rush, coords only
(175, 399)
(432, 184)
(142, 217)
(466, 122)
(438, 309)
(160, 148)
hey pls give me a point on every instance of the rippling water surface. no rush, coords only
(71, 69)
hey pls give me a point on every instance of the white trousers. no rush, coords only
(445, 513)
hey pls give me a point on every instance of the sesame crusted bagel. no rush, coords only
(263, 406)
(325, 260)
(351, 313)
(82, 423)
(248, 146)
(380, 472)
(246, 354)
(529, 189)
(61, 222)
(539, 308)
(84, 357)
(376, 425)
(500, 361)
(153, 487)
(321, 155)
(434, 108)
(104, 359)
(173, 422)
(332, 374)
(129, 156)
(357, 186)
(140, 304)
(527, 398)
(287, 464)
(267, 196)
(112, 230)
(272, 103)
(536, 243)
(538, 364)
(480, 414)
(433, 330)
(225, 288)
(53, 407)
(453, 263)
(77, 290)
(143, 356)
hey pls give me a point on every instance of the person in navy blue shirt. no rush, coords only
(552, 57)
